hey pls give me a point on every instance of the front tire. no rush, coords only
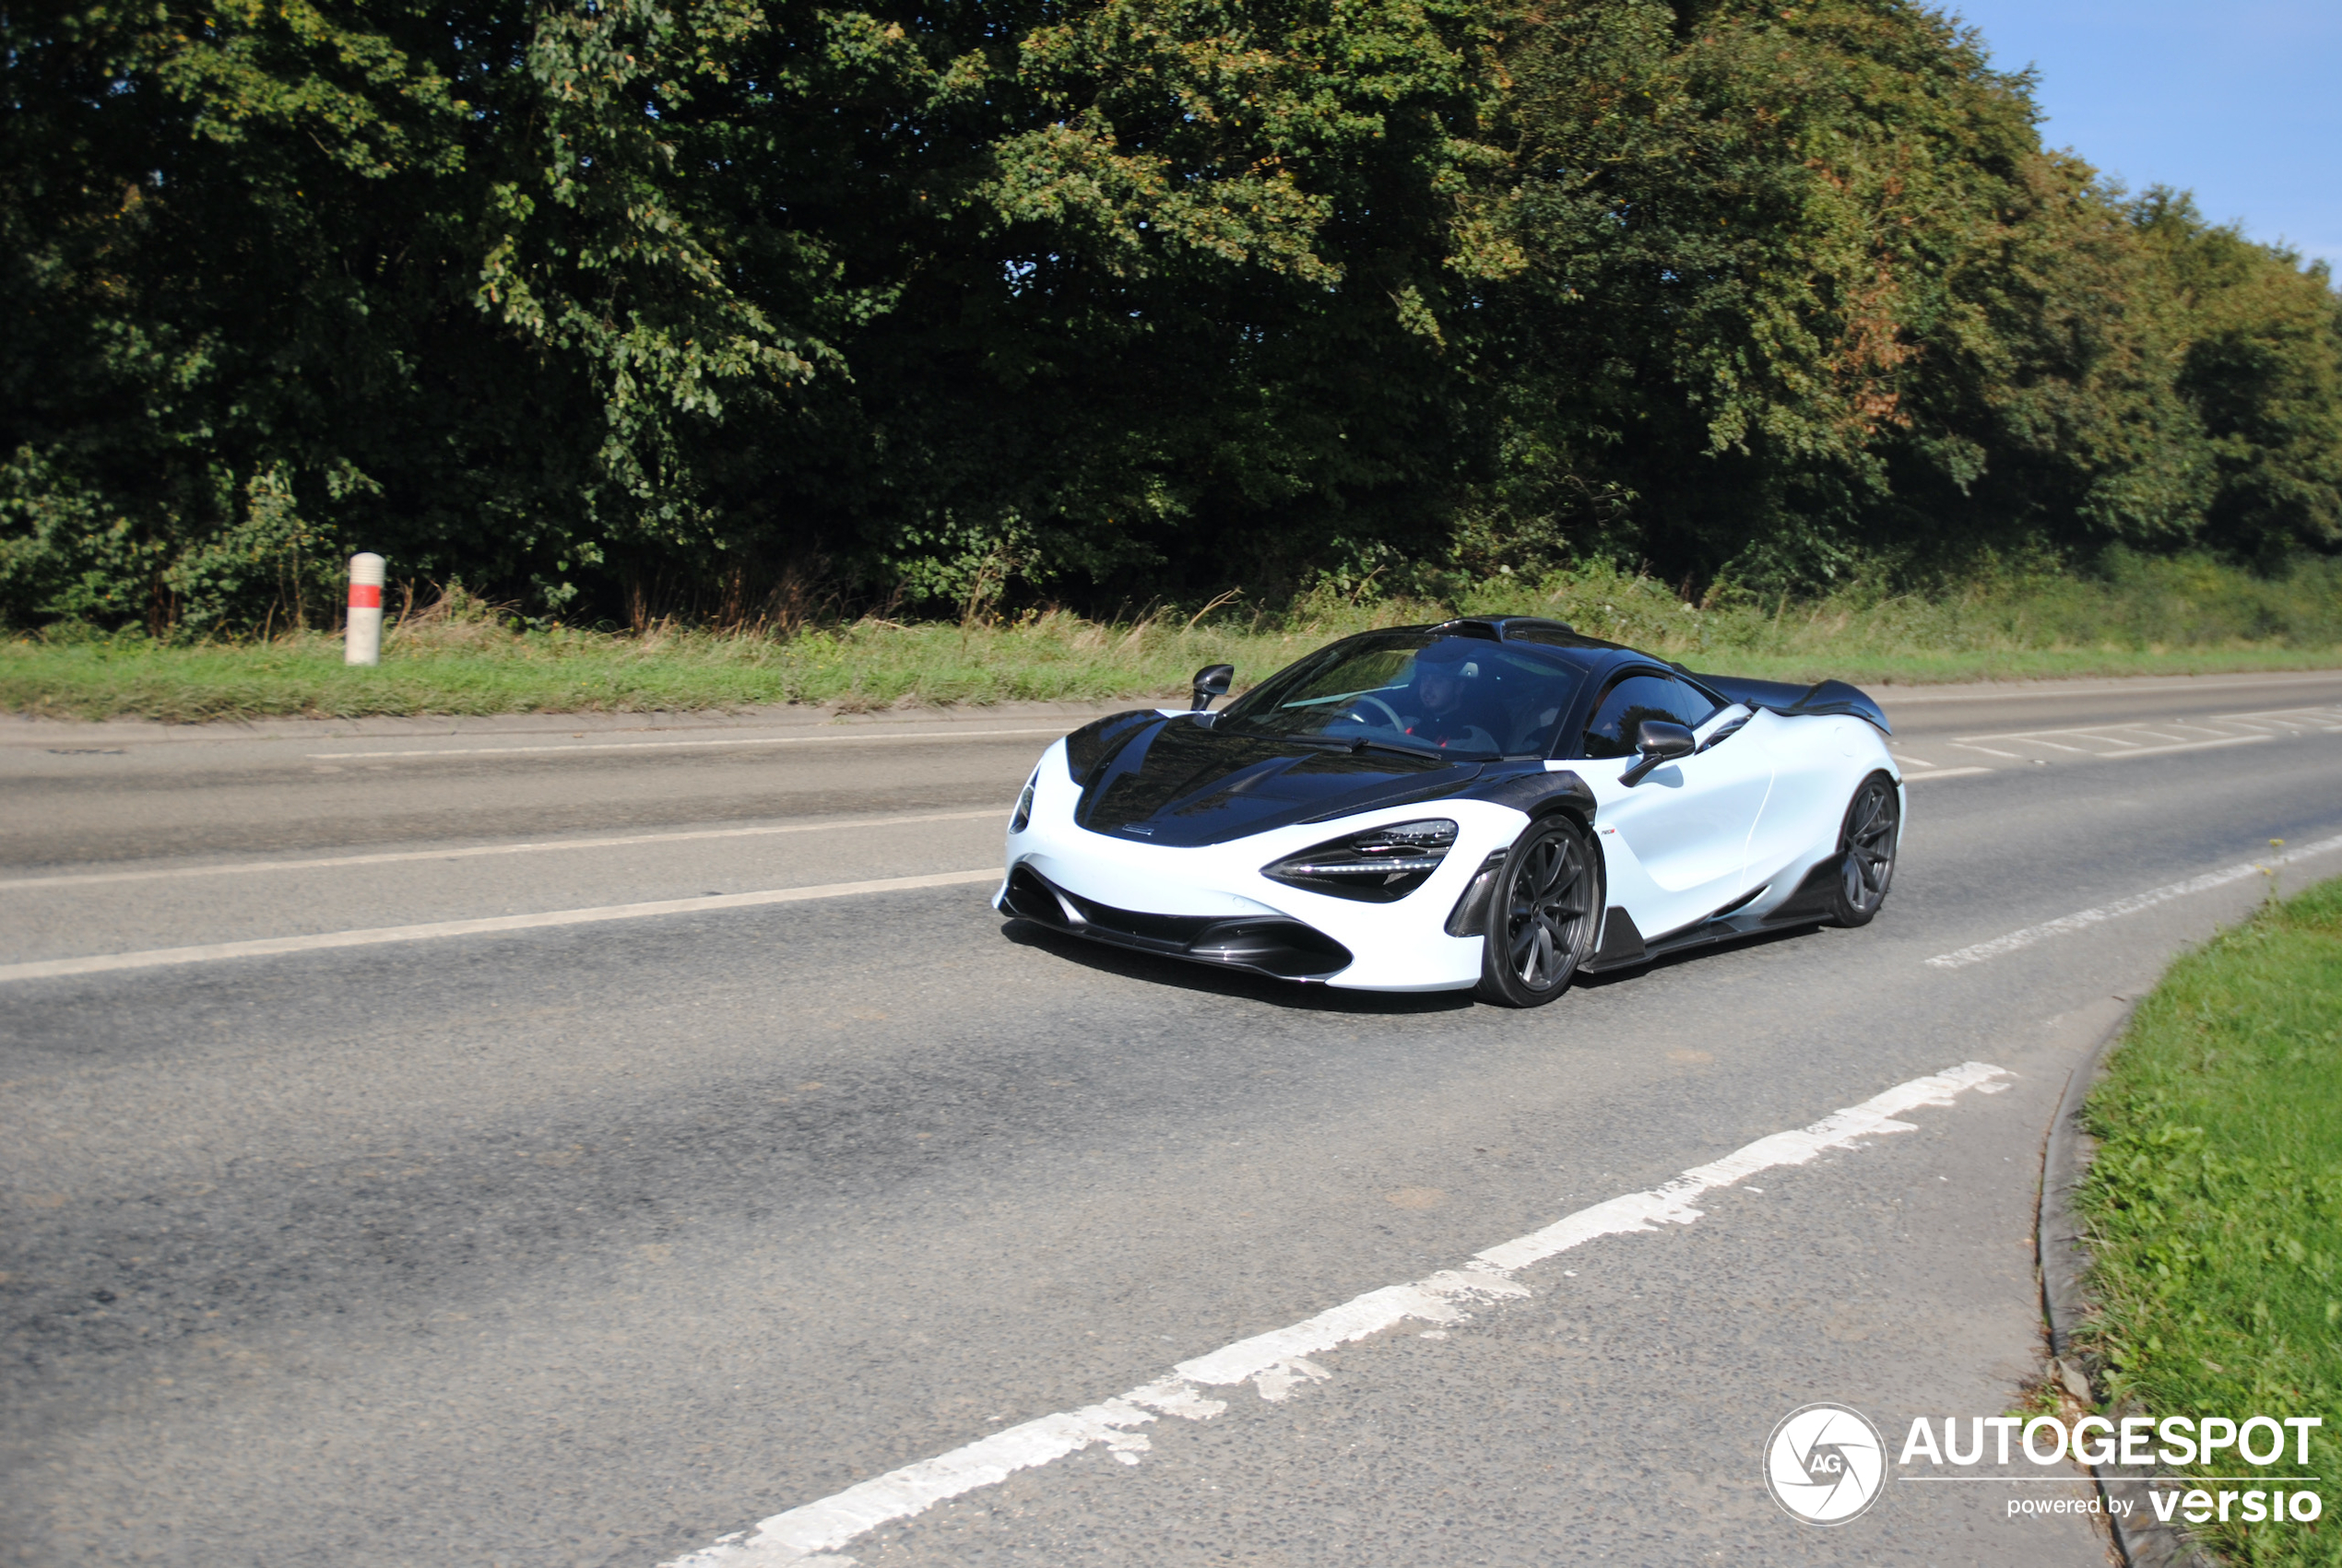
(1542, 914)
(1866, 845)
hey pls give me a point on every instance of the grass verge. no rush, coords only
(2214, 1202)
(2153, 618)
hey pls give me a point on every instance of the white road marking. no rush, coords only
(2132, 747)
(85, 879)
(1912, 761)
(1944, 773)
(1277, 1362)
(100, 963)
(2132, 905)
(2322, 718)
(2098, 686)
(2107, 742)
(2188, 746)
(676, 744)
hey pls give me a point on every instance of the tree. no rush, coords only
(2261, 367)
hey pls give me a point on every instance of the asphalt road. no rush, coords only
(596, 1242)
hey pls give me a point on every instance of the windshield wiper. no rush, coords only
(1404, 747)
(1356, 743)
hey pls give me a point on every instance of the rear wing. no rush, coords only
(1796, 701)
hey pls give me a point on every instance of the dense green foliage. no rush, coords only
(623, 308)
(2214, 1202)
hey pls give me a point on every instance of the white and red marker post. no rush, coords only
(362, 642)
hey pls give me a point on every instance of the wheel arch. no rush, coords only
(1540, 795)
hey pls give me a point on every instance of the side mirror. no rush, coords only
(1656, 741)
(1210, 681)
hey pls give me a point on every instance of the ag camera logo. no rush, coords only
(1825, 1464)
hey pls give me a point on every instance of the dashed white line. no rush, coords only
(1944, 773)
(2084, 919)
(673, 745)
(254, 867)
(1277, 1362)
(156, 958)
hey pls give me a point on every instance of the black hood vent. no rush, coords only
(1180, 782)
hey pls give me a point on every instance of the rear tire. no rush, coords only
(1867, 846)
(1543, 915)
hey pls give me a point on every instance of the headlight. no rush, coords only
(1024, 818)
(1378, 865)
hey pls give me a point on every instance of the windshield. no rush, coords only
(1416, 690)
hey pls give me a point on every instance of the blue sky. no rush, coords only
(2240, 102)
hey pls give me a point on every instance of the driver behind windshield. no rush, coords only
(1437, 705)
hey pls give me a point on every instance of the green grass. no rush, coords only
(2149, 617)
(2214, 1201)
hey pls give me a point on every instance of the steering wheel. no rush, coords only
(1389, 712)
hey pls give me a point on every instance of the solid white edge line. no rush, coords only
(2065, 924)
(674, 745)
(1277, 1362)
(1945, 774)
(254, 867)
(100, 963)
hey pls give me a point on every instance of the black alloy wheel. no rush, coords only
(1543, 915)
(1867, 845)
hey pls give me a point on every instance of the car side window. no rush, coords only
(1643, 695)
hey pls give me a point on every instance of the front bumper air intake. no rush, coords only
(1263, 944)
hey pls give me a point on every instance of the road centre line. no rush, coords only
(100, 963)
(82, 880)
(675, 745)
(1278, 1362)
(2084, 919)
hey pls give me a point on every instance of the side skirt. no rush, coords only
(1623, 947)
(1814, 897)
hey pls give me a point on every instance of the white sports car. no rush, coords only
(1499, 804)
